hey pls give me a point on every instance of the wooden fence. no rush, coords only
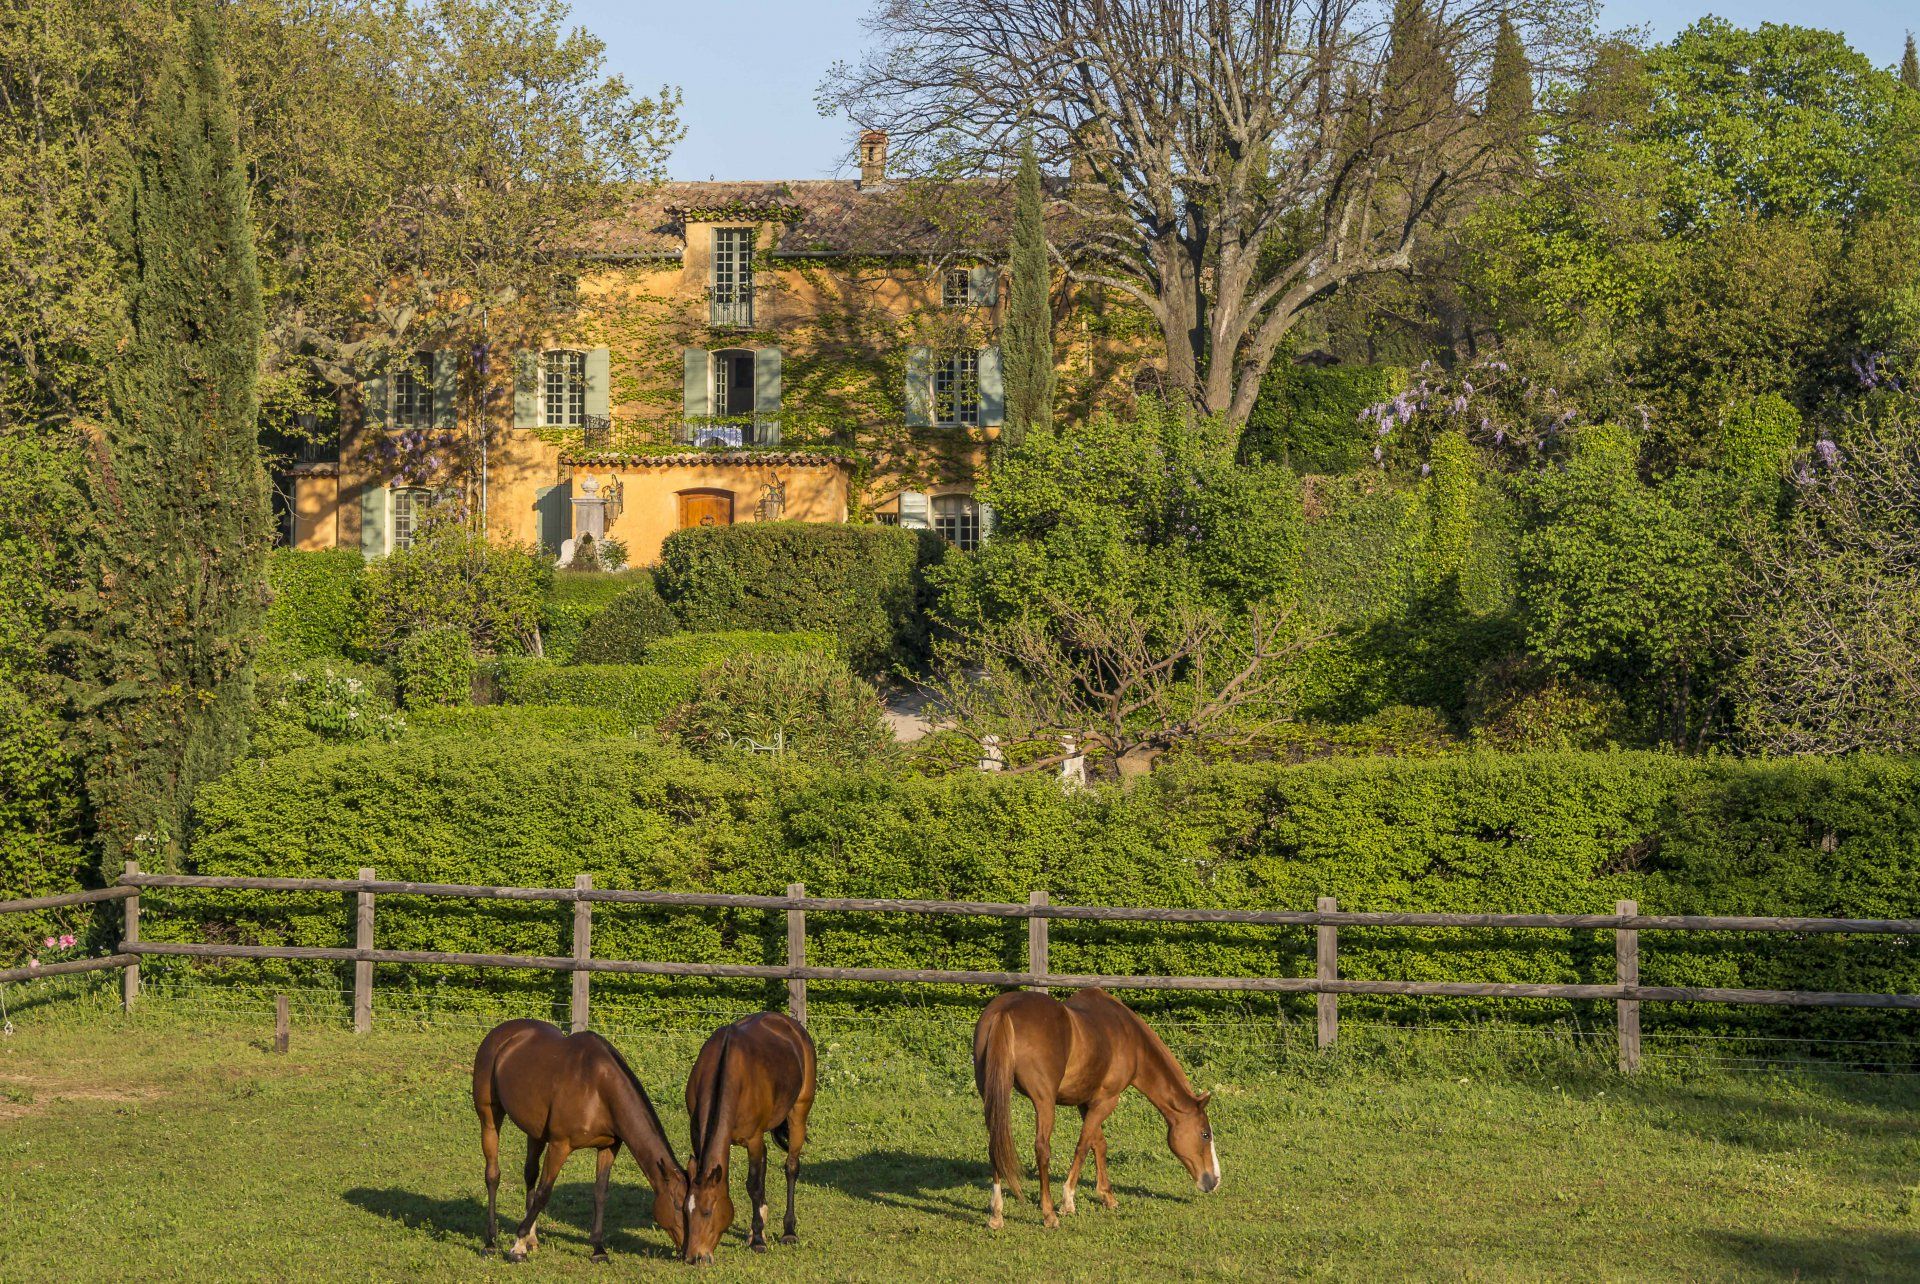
(1626, 923)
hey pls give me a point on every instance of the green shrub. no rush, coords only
(1547, 832)
(322, 701)
(622, 630)
(807, 704)
(573, 600)
(511, 722)
(639, 694)
(453, 577)
(701, 649)
(40, 823)
(863, 584)
(316, 608)
(1308, 417)
(436, 667)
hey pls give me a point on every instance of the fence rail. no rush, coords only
(1626, 923)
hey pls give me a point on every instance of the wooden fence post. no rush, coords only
(282, 1027)
(582, 951)
(1626, 970)
(797, 955)
(1326, 960)
(130, 935)
(363, 969)
(1037, 940)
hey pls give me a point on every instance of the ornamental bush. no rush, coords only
(322, 701)
(453, 577)
(574, 600)
(701, 649)
(863, 584)
(805, 704)
(1541, 832)
(436, 666)
(316, 607)
(640, 695)
(622, 631)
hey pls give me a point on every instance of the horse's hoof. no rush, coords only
(600, 1257)
(1052, 1221)
(1109, 1201)
(995, 1223)
(789, 1238)
(516, 1255)
(758, 1245)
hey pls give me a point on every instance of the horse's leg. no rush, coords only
(490, 1151)
(1090, 1116)
(757, 1191)
(796, 1138)
(1100, 1186)
(537, 1201)
(1093, 1133)
(600, 1177)
(1043, 1156)
(532, 1175)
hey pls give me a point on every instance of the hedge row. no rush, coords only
(1540, 833)
(639, 694)
(863, 584)
(697, 650)
(575, 600)
(316, 607)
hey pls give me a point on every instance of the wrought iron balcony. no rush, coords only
(596, 432)
(732, 309)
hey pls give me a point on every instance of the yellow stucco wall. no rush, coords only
(316, 511)
(647, 509)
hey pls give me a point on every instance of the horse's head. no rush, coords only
(709, 1209)
(1190, 1137)
(670, 1206)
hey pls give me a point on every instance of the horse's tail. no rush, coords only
(993, 1076)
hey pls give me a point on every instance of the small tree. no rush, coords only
(1027, 336)
(1910, 66)
(163, 630)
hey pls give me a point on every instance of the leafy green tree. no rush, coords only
(1508, 106)
(174, 594)
(1026, 339)
(1910, 65)
(454, 578)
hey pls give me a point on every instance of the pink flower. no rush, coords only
(67, 941)
(33, 962)
(50, 942)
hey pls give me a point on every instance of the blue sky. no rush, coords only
(749, 67)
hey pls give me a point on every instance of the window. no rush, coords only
(732, 276)
(956, 518)
(563, 402)
(887, 519)
(956, 387)
(957, 291)
(413, 392)
(411, 507)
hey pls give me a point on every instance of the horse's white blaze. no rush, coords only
(1213, 1158)
(689, 1203)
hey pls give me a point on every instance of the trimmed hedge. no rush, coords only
(701, 649)
(626, 626)
(503, 722)
(316, 607)
(639, 694)
(864, 584)
(573, 601)
(1548, 832)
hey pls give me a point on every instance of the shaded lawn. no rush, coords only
(180, 1147)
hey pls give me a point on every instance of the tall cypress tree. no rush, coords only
(1509, 101)
(162, 635)
(1027, 337)
(1910, 65)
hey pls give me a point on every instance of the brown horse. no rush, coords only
(568, 1093)
(752, 1078)
(1084, 1052)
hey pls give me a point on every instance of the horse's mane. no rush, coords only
(1151, 1039)
(646, 1102)
(716, 1104)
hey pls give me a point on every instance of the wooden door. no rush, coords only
(706, 508)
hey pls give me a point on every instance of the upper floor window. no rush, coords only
(563, 387)
(413, 392)
(957, 519)
(956, 387)
(960, 289)
(732, 276)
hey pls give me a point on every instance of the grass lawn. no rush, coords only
(177, 1145)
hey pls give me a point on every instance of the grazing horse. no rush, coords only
(752, 1078)
(1084, 1052)
(569, 1092)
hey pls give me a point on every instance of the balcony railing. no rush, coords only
(732, 309)
(715, 433)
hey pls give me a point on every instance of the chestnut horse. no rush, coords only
(752, 1078)
(1084, 1052)
(569, 1092)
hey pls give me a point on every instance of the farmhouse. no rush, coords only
(821, 351)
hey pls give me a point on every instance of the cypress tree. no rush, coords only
(1027, 338)
(1509, 102)
(1910, 66)
(162, 634)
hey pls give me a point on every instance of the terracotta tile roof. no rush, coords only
(701, 458)
(820, 216)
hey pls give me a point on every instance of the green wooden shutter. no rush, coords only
(993, 387)
(373, 402)
(766, 396)
(446, 388)
(554, 507)
(599, 379)
(985, 282)
(526, 389)
(376, 507)
(988, 520)
(696, 392)
(919, 391)
(913, 510)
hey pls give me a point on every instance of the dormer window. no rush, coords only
(732, 276)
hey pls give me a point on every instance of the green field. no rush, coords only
(177, 1145)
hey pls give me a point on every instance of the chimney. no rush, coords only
(873, 157)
